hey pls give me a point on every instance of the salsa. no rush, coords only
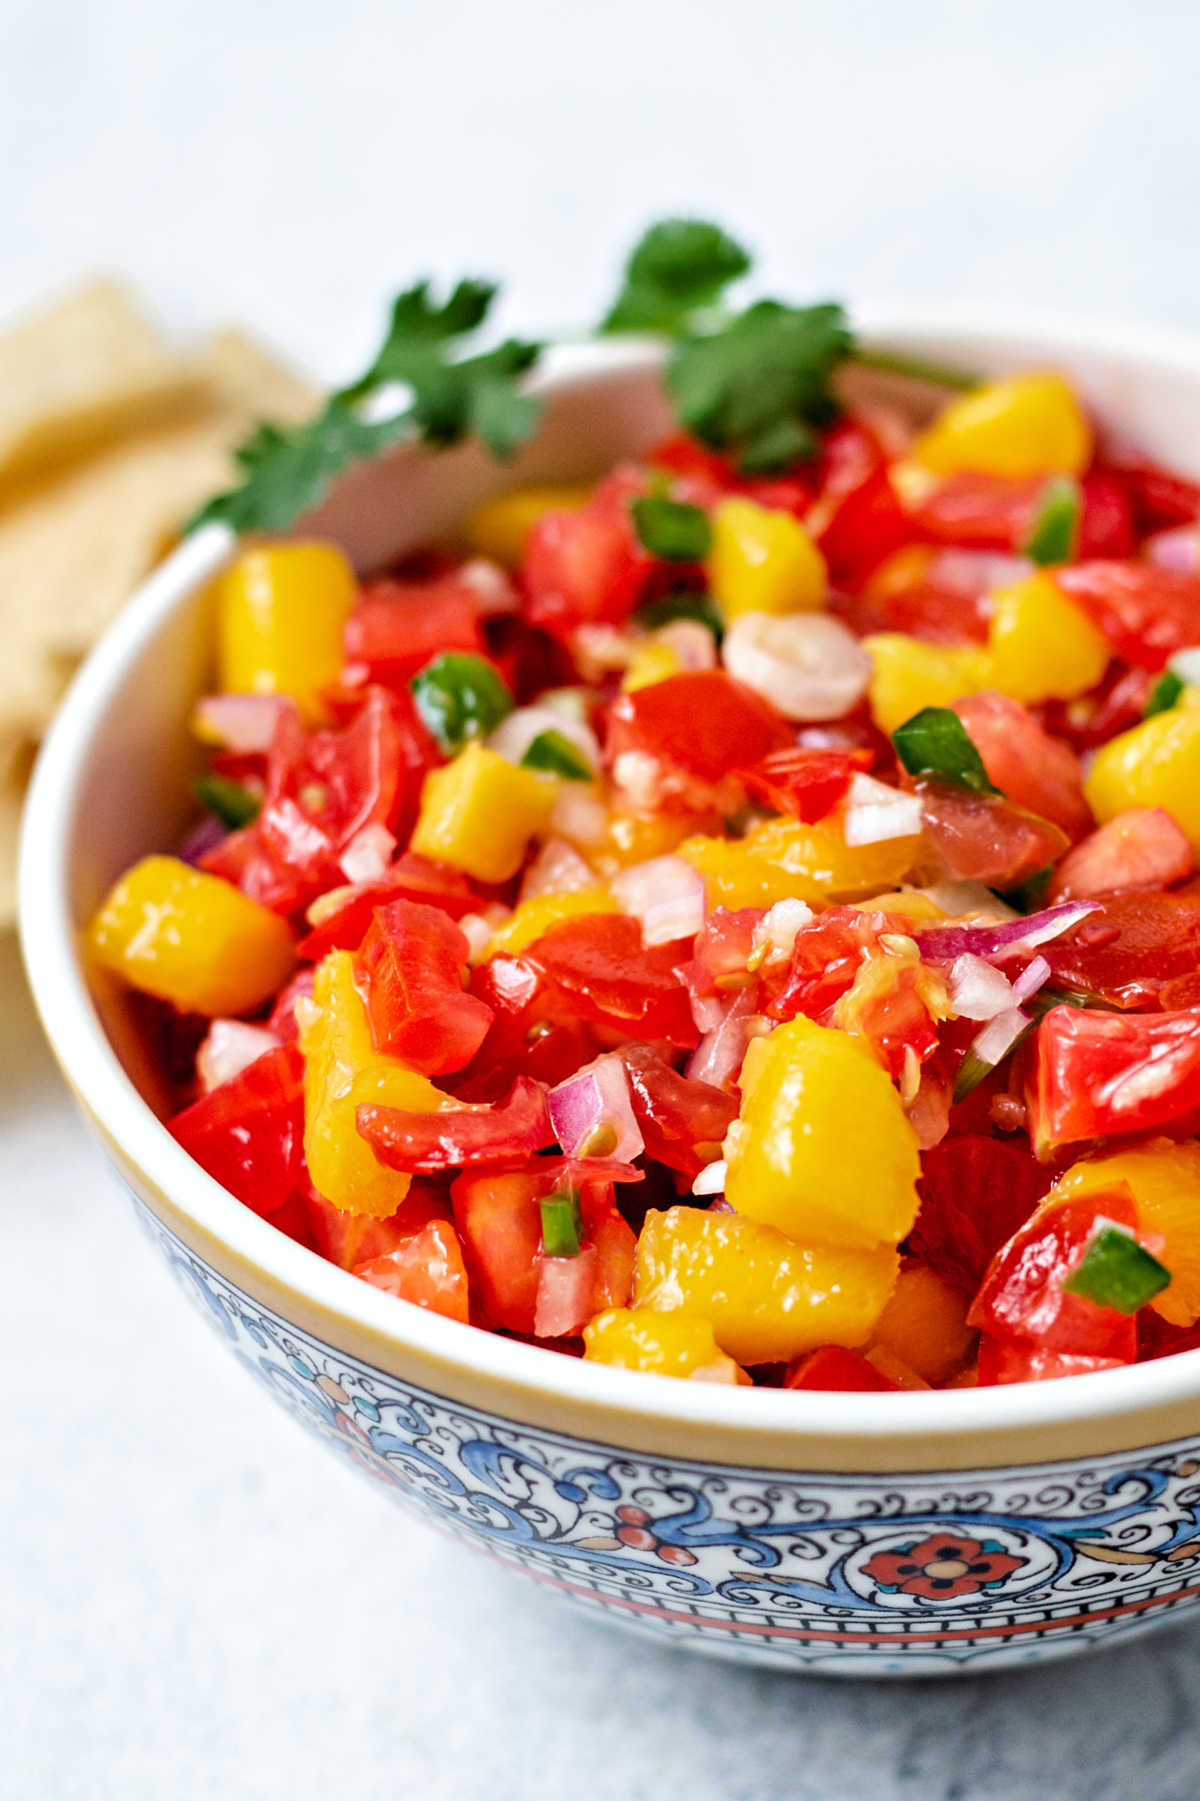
(732, 921)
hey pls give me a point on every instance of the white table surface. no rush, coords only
(194, 1600)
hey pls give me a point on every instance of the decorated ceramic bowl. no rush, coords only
(859, 1534)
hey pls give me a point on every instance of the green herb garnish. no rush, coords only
(1116, 1271)
(670, 607)
(671, 529)
(936, 744)
(916, 368)
(553, 753)
(678, 268)
(1029, 895)
(562, 1224)
(1165, 694)
(231, 802)
(1054, 531)
(460, 696)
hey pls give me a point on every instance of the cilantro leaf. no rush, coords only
(671, 529)
(1164, 695)
(935, 744)
(1054, 530)
(760, 383)
(678, 267)
(1116, 1271)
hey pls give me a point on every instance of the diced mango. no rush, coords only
(479, 812)
(766, 1297)
(661, 1344)
(1020, 426)
(653, 660)
(1164, 1179)
(343, 1071)
(763, 561)
(924, 1325)
(499, 528)
(910, 674)
(897, 573)
(1156, 764)
(1042, 646)
(533, 918)
(821, 1149)
(192, 939)
(637, 837)
(783, 859)
(280, 613)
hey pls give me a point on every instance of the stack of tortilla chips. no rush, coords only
(110, 437)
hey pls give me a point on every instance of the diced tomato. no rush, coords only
(412, 962)
(1003, 1361)
(1097, 1075)
(985, 512)
(243, 860)
(587, 566)
(1107, 527)
(501, 1226)
(427, 1269)
(1022, 1295)
(1146, 613)
(683, 1122)
(1157, 495)
(838, 1371)
(722, 949)
(702, 724)
(976, 1191)
(939, 595)
(1129, 948)
(614, 1244)
(1143, 848)
(516, 1126)
(1117, 702)
(529, 659)
(705, 476)
(532, 1033)
(249, 1133)
(398, 626)
(1030, 768)
(807, 784)
(564, 1294)
(283, 1021)
(598, 964)
(826, 957)
(350, 1238)
(857, 517)
(343, 925)
(984, 838)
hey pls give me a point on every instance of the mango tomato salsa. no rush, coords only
(736, 926)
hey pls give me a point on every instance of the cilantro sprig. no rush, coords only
(678, 268)
(935, 744)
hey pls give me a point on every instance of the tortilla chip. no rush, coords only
(80, 373)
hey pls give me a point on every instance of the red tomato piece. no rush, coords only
(857, 517)
(533, 1031)
(516, 1126)
(1022, 1295)
(1129, 948)
(1030, 768)
(398, 626)
(249, 1133)
(1096, 1075)
(283, 1020)
(501, 1226)
(806, 784)
(411, 963)
(838, 1371)
(826, 957)
(1116, 703)
(721, 950)
(976, 1191)
(410, 878)
(587, 566)
(242, 859)
(1107, 527)
(601, 970)
(985, 838)
(350, 1238)
(984, 512)
(1143, 848)
(614, 1244)
(427, 1270)
(702, 724)
(1001, 1361)
(1146, 613)
(564, 1294)
(1158, 496)
(682, 1121)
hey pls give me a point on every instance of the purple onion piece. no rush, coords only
(942, 944)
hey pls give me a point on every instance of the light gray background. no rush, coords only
(195, 1601)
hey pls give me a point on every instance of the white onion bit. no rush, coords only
(809, 665)
(557, 869)
(666, 895)
(775, 933)
(513, 736)
(711, 1180)
(1186, 664)
(874, 812)
(977, 991)
(368, 854)
(231, 1046)
(998, 1036)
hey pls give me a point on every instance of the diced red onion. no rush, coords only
(557, 869)
(808, 665)
(874, 811)
(775, 933)
(564, 1294)
(229, 1047)
(977, 991)
(244, 723)
(1186, 664)
(1030, 980)
(720, 1053)
(368, 854)
(711, 1179)
(943, 944)
(666, 895)
(1176, 548)
(998, 1036)
(513, 736)
(203, 837)
(593, 1111)
(708, 1010)
(493, 591)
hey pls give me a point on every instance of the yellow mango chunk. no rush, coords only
(1042, 646)
(192, 939)
(783, 859)
(479, 812)
(1020, 426)
(1164, 1179)
(821, 1148)
(653, 660)
(1155, 764)
(925, 1325)
(533, 918)
(661, 1344)
(763, 561)
(910, 674)
(767, 1298)
(635, 838)
(499, 528)
(281, 609)
(342, 1072)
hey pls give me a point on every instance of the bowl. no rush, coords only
(867, 1535)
